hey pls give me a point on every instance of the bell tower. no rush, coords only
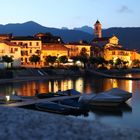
(98, 29)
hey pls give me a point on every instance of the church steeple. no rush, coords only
(98, 29)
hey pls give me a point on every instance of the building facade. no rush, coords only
(29, 46)
(11, 50)
(109, 47)
(74, 49)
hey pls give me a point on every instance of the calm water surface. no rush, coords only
(127, 116)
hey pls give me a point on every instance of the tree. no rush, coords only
(63, 59)
(75, 59)
(111, 62)
(93, 61)
(136, 63)
(50, 59)
(34, 59)
(101, 61)
(83, 56)
(7, 59)
(83, 52)
(118, 62)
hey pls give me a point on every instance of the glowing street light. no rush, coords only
(7, 98)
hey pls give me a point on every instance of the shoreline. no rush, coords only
(100, 73)
(18, 123)
(32, 78)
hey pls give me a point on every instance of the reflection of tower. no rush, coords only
(97, 29)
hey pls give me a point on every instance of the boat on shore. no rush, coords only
(100, 99)
(58, 108)
(46, 95)
(120, 93)
(69, 92)
(52, 107)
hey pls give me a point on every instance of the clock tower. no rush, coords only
(98, 29)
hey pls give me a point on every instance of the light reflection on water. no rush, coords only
(128, 116)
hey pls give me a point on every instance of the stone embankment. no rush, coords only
(37, 74)
(109, 74)
(21, 124)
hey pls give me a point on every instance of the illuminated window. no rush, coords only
(16, 49)
(113, 53)
(30, 43)
(12, 51)
(37, 43)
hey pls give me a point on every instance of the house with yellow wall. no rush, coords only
(12, 50)
(29, 46)
(75, 49)
(109, 47)
(53, 50)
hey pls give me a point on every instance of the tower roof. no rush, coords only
(97, 22)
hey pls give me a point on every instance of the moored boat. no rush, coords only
(69, 92)
(101, 99)
(52, 107)
(46, 95)
(120, 93)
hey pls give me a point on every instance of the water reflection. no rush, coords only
(86, 85)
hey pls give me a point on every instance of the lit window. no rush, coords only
(37, 43)
(16, 49)
(30, 43)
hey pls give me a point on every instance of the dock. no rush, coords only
(36, 100)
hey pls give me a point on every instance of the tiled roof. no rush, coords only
(6, 35)
(101, 39)
(77, 43)
(50, 46)
(97, 22)
(9, 43)
(24, 38)
(118, 48)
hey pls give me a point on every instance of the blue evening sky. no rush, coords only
(71, 13)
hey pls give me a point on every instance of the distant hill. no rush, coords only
(31, 28)
(86, 29)
(128, 37)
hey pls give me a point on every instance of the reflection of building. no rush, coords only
(109, 47)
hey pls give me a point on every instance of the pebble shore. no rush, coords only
(23, 124)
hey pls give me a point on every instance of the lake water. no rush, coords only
(127, 116)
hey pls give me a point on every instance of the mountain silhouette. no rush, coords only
(31, 28)
(86, 29)
(128, 37)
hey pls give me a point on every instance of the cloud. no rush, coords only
(125, 9)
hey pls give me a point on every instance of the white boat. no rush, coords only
(120, 93)
(100, 99)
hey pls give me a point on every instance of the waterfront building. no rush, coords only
(109, 47)
(53, 49)
(74, 49)
(29, 46)
(11, 50)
